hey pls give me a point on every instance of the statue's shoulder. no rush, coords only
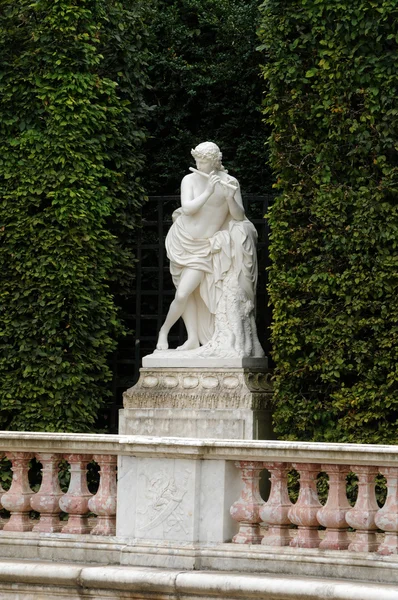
(188, 179)
(189, 176)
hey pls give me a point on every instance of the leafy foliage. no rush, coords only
(206, 85)
(71, 86)
(331, 72)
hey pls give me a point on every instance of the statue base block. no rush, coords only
(174, 358)
(199, 402)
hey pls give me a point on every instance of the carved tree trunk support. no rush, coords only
(75, 501)
(46, 501)
(275, 512)
(246, 509)
(387, 517)
(362, 516)
(103, 504)
(332, 515)
(17, 499)
(304, 512)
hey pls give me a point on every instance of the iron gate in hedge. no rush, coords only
(154, 290)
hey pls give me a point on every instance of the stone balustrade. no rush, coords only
(59, 512)
(310, 516)
(182, 490)
(182, 505)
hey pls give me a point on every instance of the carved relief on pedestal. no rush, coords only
(163, 495)
(200, 388)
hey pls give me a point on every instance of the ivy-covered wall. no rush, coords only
(71, 106)
(206, 85)
(331, 73)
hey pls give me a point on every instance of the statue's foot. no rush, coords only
(162, 341)
(190, 344)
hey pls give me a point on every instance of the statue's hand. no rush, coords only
(212, 182)
(230, 193)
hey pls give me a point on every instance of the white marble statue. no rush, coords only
(212, 251)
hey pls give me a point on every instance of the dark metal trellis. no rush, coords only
(154, 291)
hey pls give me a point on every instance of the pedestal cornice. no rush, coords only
(201, 388)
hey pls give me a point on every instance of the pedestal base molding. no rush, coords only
(199, 402)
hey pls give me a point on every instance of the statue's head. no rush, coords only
(210, 152)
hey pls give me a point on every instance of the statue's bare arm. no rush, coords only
(190, 205)
(234, 200)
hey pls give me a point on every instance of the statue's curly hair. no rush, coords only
(209, 151)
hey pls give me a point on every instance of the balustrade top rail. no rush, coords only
(305, 452)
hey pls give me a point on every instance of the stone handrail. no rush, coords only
(179, 490)
(259, 450)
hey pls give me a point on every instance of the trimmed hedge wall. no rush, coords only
(206, 85)
(332, 85)
(71, 87)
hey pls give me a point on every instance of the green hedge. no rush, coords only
(206, 85)
(332, 84)
(71, 87)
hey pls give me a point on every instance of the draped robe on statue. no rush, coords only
(225, 299)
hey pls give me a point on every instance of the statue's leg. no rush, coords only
(190, 317)
(189, 281)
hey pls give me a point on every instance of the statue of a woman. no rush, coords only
(212, 251)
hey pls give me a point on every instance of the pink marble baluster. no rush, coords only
(387, 517)
(103, 504)
(304, 512)
(332, 515)
(75, 501)
(2, 520)
(246, 509)
(275, 512)
(362, 516)
(46, 501)
(17, 499)
(2, 491)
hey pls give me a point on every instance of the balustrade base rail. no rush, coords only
(235, 558)
(37, 581)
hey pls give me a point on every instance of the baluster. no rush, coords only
(2, 520)
(75, 501)
(275, 512)
(304, 512)
(17, 499)
(387, 517)
(103, 504)
(246, 509)
(362, 516)
(332, 515)
(2, 491)
(46, 501)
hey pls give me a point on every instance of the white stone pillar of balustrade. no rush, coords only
(332, 515)
(75, 501)
(103, 504)
(246, 510)
(387, 517)
(17, 499)
(275, 511)
(362, 516)
(304, 512)
(46, 500)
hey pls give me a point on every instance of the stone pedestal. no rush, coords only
(202, 401)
